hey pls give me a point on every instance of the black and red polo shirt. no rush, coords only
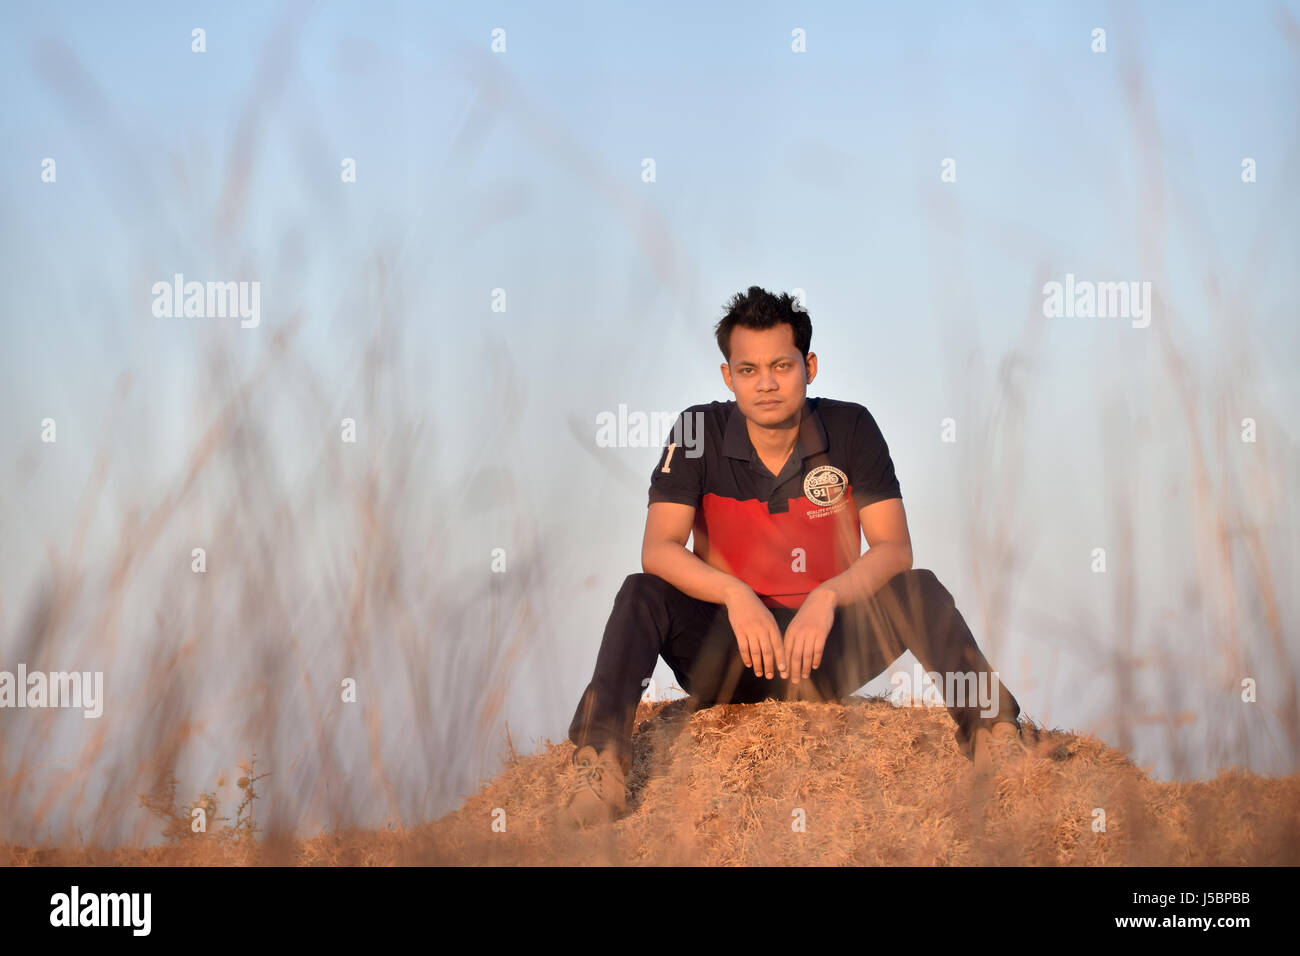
(781, 534)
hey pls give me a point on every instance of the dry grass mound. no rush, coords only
(870, 784)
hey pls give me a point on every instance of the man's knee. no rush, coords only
(642, 582)
(926, 583)
(641, 590)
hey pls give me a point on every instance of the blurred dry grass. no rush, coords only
(407, 643)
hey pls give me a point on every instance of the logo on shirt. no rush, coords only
(825, 485)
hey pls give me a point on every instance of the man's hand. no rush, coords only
(756, 631)
(806, 634)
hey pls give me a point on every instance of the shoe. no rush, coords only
(1006, 730)
(999, 745)
(598, 793)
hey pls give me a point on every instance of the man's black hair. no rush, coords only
(760, 309)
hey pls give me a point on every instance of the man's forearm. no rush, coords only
(687, 572)
(868, 574)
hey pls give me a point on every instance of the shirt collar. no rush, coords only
(811, 440)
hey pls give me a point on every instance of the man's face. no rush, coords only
(767, 374)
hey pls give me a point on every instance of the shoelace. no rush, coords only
(590, 774)
(600, 776)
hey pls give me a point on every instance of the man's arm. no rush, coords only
(885, 526)
(663, 552)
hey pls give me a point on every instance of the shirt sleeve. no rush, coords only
(872, 477)
(679, 474)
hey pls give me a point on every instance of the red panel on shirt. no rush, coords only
(743, 539)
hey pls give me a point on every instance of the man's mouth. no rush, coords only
(770, 401)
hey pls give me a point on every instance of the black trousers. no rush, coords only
(652, 618)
